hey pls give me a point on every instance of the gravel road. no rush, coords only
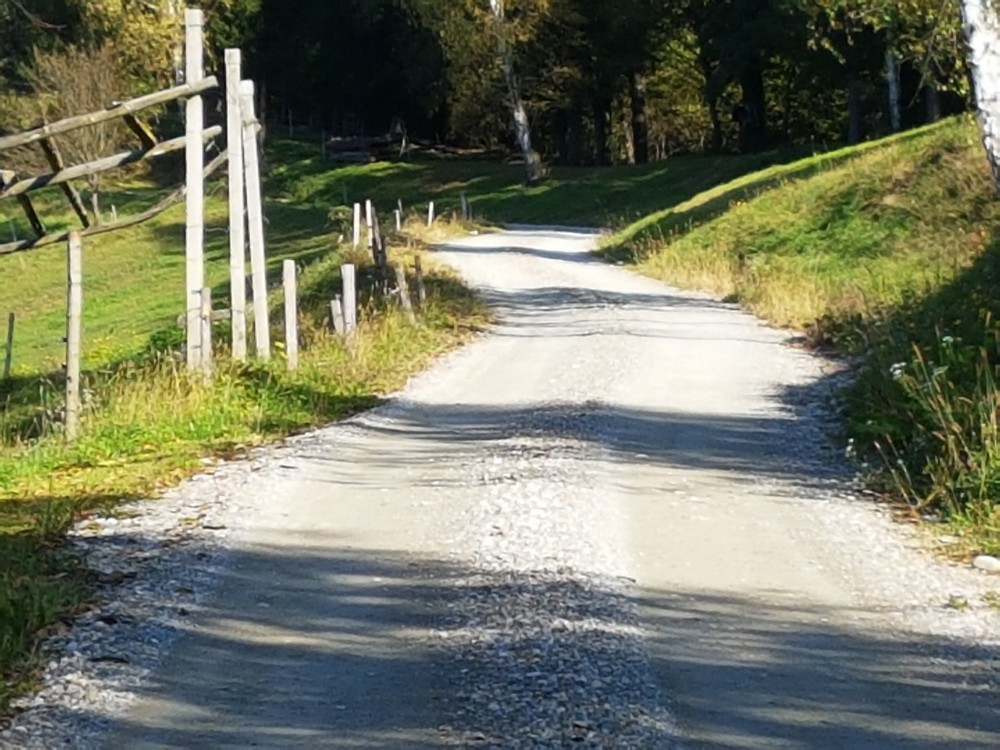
(612, 522)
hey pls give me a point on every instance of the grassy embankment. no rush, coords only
(889, 253)
(146, 425)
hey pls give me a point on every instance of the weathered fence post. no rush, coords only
(404, 294)
(8, 358)
(206, 332)
(291, 314)
(369, 219)
(255, 218)
(195, 165)
(418, 271)
(337, 315)
(237, 203)
(74, 334)
(357, 224)
(430, 213)
(350, 298)
(378, 244)
(465, 208)
(399, 221)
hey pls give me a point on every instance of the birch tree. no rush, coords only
(982, 34)
(522, 127)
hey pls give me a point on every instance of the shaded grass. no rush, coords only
(580, 196)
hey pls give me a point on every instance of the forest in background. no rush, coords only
(602, 82)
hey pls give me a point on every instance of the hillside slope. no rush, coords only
(889, 253)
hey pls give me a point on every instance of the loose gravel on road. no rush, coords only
(567, 534)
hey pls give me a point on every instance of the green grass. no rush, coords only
(146, 425)
(889, 253)
(580, 196)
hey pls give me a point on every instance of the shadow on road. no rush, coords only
(340, 658)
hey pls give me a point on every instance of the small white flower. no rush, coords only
(897, 370)
(947, 340)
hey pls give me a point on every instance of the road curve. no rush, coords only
(611, 522)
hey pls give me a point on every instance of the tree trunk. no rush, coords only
(602, 130)
(640, 125)
(855, 112)
(932, 102)
(574, 137)
(982, 34)
(752, 110)
(713, 114)
(522, 126)
(893, 86)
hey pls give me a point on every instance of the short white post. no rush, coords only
(399, 221)
(369, 223)
(350, 298)
(337, 315)
(357, 224)
(237, 206)
(430, 213)
(74, 333)
(291, 314)
(9, 351)
(206, 332)
(255, 218)
(465, 208)
(194, 239)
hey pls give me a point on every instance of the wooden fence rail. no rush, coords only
(124, 109)
(175, 197)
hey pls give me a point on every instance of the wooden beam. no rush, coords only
(74, 315)
(120, 110)
(175, 197)
(102, 165)
(146, 137)
(29, 211)
(55, 160)
(237, 206)
(194, 153)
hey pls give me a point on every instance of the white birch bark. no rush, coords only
(522, 127)
(982, 35)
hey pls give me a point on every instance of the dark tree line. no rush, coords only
(600, 81)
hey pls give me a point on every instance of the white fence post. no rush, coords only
(350, 298)
(74, 333)
(9, 352)
(195, 165)
(237, 203)
(369, 222)
(255, 217)
(357, 224)
(291, 314)
(206, 332)
(430, 213)
(337, 315)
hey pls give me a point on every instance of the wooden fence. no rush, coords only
(245, 206)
